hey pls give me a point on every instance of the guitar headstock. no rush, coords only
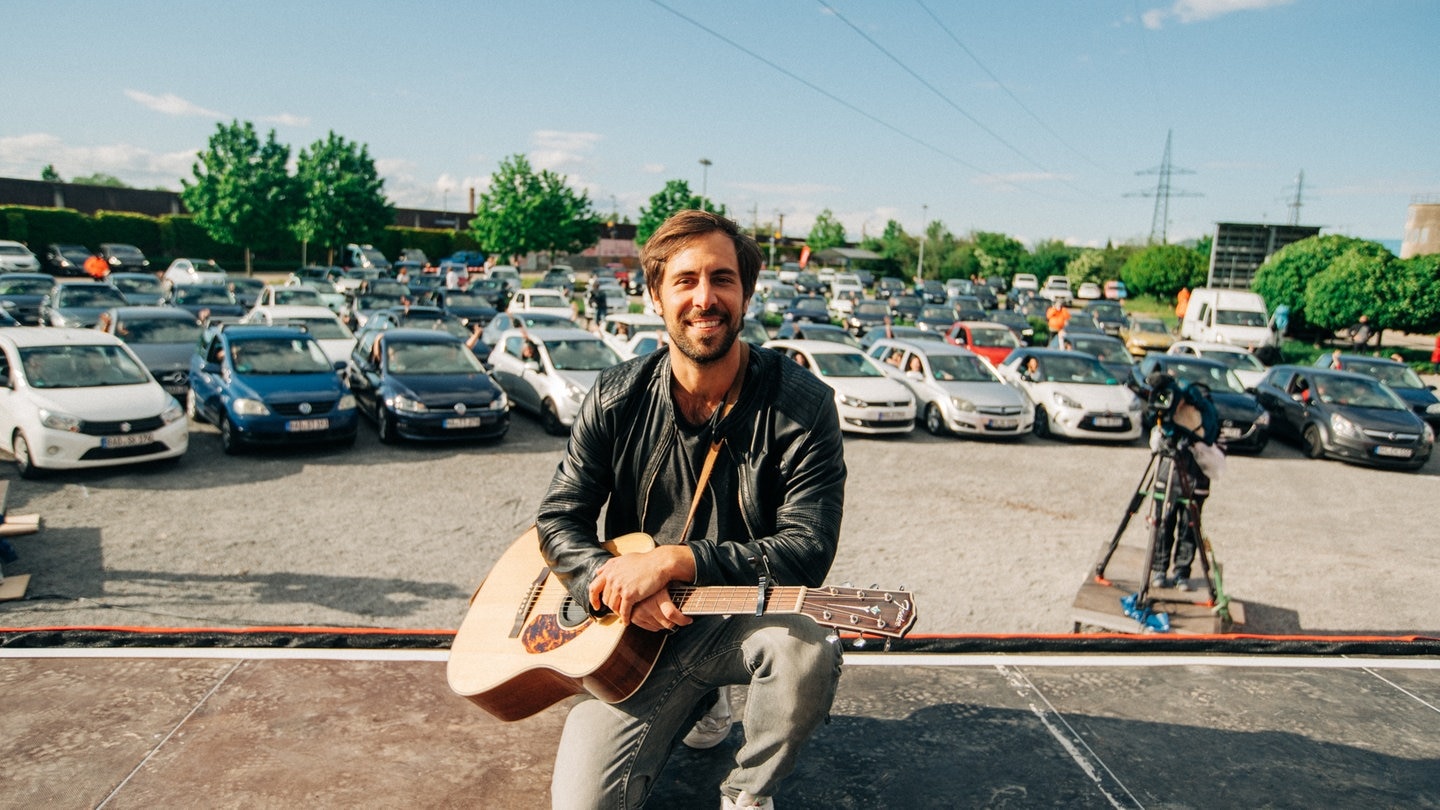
(874, 611)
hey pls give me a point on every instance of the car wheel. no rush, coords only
(385, 427)
(550, 419)
(1314, 446)
(229, 441)
(934, 420)
(24, 464)
(1042, 423)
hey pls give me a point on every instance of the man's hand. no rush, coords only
(634, 586)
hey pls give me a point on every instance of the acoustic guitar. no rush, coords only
(525, 644)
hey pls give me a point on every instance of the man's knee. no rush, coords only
(800, 648)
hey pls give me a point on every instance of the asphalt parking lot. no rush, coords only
(991, 537)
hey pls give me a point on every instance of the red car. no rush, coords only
(992, 341)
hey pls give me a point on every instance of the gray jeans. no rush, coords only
(611, 754)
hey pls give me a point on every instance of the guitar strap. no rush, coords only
(720, 413)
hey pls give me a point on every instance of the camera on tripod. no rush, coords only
(1182, 412)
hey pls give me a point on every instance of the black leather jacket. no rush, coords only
(782, 437)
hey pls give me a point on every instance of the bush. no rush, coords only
(44, 226)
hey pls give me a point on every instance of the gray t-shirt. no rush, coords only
(675, 487)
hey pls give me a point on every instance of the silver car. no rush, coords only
(548, 372)
(956, 391)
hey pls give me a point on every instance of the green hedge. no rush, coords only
(44, 226)
(127, 229)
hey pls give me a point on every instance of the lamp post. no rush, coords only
(704, 180)
(920, 265)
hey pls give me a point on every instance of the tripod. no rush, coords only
(1177, 501)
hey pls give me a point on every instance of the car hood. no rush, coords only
(1114, 398)
(1380, 419)
(1233, 407)
(106, 403)
(870, 389)
(995, 394)
(23, 300)
(287, 387)
(580, 379)
(444, 388)
(141, 299)
(161, 357)
(86, 315)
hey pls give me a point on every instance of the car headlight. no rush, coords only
(250, 407)
(1064, 401)
(1433, 408)
(59, 421)
(853, 402)
(962, 404)
(1429, 434)
(574, 391)
(500, 402)
(1135, 405)
(173, 413)
(406, 404)
(1343, 427)
(347, 402)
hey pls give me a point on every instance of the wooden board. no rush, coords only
(12, 525)
(1098, 605)
(13, 587)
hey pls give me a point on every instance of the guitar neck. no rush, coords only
(732, 599)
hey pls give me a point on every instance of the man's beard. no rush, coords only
(705, 352)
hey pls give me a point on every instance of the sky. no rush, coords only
(1041, 119)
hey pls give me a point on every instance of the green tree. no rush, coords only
(1053, 258)
(826, 233)
(998, 254)
(1418, 282)
(1284, 277)
(1089, 265)
(49, 175)
(99, 179)
(895, 248)
(1162, 270)
(342, 195)
(1356, 283)
(523, 211)
(242, 193)
(675, 196)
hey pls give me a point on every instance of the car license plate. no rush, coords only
(1394, 452)
(890, 416)
(131, 440)
(1108, 421)
(462, 422)
(303, 425)
(1002, 424)
(1229, 432)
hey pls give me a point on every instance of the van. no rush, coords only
(1236, 317)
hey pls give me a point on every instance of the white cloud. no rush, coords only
(558, 151)
(653, 168)
(286, 120)
(25, 155)
(1191, 11)
(171, 104)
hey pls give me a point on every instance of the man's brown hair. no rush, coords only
(682, 228)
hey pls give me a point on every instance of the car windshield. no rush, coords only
(580, 354)
(437, 322)
(323, 328)
(206, 296)
(810, 306)
(831, 336)
(937, 314)
(430, 358)
(142, 330)
(548, 301)
(845, 364)
(125, 252)
(959, 368)
(12, 250)
(74, 253)
(1110, 351)
(1392, 374)
(298, 296)
(874, 309)
(377, 301)
(459, 299)
(1243, 361)
(1072, 369)
(905, 301)
(25, 286)
(1216, 378)
(80, 295)
(1149, 325)
(297, 355)
(1239, 317)
(80, 367)
(320, 285)
(1356, 393)
(994, 338)
(138, 284)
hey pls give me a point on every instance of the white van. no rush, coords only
(1236, 317)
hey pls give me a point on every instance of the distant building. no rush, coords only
(1422, 227)
(1240, 248)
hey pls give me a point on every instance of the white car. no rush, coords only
(1025, 281)
(868, 400)
(957, 392)
(1089, 291)
(1074, 396)
(74, 398)
(1245, 365)
(842, 299)
(294, 295)
(193, 271)
(622, 328)
(541, 300)
(548, 372)
(335, 340)
(16, 258)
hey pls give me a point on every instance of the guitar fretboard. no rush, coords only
(727, 599)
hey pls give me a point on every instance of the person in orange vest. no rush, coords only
(96, 267)
(1182, 302)
(1056, 317)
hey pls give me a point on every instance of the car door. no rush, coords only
(364, 374)
(8, 397)
(1279, 395)
(205, 379)
(510, 372)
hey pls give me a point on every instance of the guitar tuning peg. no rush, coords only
(874, 586)
(846, 584)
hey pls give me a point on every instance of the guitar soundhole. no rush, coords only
(572, 614)
(550, 631)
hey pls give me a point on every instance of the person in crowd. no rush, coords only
(1360, 334)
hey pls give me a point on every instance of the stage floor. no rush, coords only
(248, 728)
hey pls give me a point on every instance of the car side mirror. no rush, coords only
(340, 365)
(211, 367)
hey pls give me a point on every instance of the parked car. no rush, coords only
(931, 291)
(433, 319)
(1400, 377)
(139, 289)
(23, 295)
(546, 301)
(989, 340)
(66, 259)
(1111, 353)
(315, 273)
(16, 258)
(810, 284)
(469, 307)
(826, 332)
(359, 306)
(1244, 425)
(1056, 289)
(268, 385)
(867, 315)
(956, 391)
(806, 309)
(74, 398)
(1346, 416)
(78, 303)
(888, 286)
(324, 326)
(1025, 281)
(1146, 333)
(493, 289)
(753, 332)
(778, 299)
(193, 271)
(207, 301)
(904, 307)
(560, 279)
(505, 321)
(1108, 315)
(1088, 291)
(619, 329)
(246, 289)
(1245, 365)
(289, 295)
(124, 258)
(912, 334)
(548, 372)
(509, 274)
(1074, 396)
(425, 385)
(1016, 323)
(1115, 290)
(162, 337)
(868, 401)
(936, 318)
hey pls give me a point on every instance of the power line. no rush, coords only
(1160, 220)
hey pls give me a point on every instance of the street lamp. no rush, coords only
(704, 180)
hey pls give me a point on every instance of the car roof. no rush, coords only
(252, 330)
(419, 336)
(923, 347)
(28, 336)
(293, 311)
(171, 313)
(45, 276)
(1207, 347)
(1189, 359)
(545, 333)
(813, 346)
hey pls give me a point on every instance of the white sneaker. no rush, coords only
(746, 801)
(714, 726)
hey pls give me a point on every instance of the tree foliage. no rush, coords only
(827, 232)
(1356, 283)
(101, 179)
(343, 197)
(1051, 258)
(523, 211)
(895, 248)
(1162, 270)
(1284, 277)
(49, 175)
(242, 193)
(674, 197)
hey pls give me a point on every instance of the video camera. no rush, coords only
(1166, 399)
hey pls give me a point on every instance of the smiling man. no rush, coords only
(758, 438)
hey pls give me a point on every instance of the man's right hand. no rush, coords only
(635, 586)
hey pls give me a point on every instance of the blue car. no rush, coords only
(269, 385)
(425, 385)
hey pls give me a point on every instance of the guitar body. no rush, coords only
(525, 644)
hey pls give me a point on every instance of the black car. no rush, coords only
(807, 308)
(932, 291)
(494, 289)
(1015, 322)
(139, 289)
(470, 308)
(558, 280)
(889, 286)
(968, 308)
(809, 284)
(905, 307)
(1346, 416)
(23, 294)
(1108, 315)
(208, 301)
(790, 330)
(1244, 425)
(425, 385)
(867, 315)
(938, 318)
(65, 260)
(1400, 377)
(124, 258)
(79, 303)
